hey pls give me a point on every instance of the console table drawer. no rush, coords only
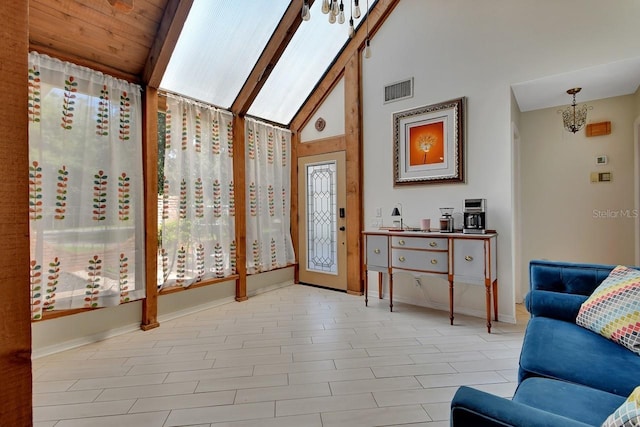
(428, 261)
(378, 251)
(469, 261)
(420, 243)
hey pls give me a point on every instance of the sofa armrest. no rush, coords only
(471, 407)
(567, 277)
(555, 305)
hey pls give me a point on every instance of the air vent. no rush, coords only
(399, 90)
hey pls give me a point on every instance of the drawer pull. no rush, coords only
(468, 258)
(434, 261)
(401, 242)
(433, 244)
(401, 259)
(376, 251)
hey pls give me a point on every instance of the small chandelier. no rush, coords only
(335, 10)
(574, 117)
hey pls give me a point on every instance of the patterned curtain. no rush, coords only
(85, 188)
(268, 196)
(196, 225)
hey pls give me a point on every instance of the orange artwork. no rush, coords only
(426, 144)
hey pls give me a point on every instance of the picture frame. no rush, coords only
(429, 144)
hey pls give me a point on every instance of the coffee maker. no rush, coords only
(474, 215)
(446, 220)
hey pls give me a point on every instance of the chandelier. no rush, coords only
(574, 117)
(335, 10)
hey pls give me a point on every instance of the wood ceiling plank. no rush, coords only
(96, 43)
(84, 62)
(69, 26)
(103, 6)
(120, 64)
(145, 15)
(288, 25)
(378, 14)
(173, 19)
(96, 33)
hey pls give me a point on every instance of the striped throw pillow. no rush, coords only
(628, 414)
(613, 310)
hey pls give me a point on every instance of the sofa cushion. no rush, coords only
(557, 305)
(628, 414)
(572, 278)
(563, 350)
(613, 309)
(572, 401)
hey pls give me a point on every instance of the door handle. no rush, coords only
(342, 228)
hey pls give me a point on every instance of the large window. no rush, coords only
(268, 176)
(196, 194)
(85, 188)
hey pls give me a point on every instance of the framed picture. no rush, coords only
(428, 144)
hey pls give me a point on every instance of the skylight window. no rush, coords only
(218, 47)
(222, 39)
(311, 51)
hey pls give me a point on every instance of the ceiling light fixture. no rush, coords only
(574, 117)
(335, 10)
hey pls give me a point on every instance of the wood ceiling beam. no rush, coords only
(378, 14)
(272, 52)
(173, 19)
(15, 290)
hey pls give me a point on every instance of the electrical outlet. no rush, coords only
(375, 222)
(378, 212)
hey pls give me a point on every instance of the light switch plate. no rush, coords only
(600, 176)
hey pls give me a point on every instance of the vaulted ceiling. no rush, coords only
(135, 40)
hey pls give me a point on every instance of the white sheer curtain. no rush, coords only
(198, 208)
(268, 175)
(85, 188)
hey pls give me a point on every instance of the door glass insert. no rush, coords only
(322, 245)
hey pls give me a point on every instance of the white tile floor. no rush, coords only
(298, 356)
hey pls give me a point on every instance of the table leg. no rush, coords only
(488, 304)
(451, 301)
(380, 284)
(366, 288)
(390, 291)
(495, 299)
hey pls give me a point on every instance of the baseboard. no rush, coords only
(111, 333)
(194, 309)
(218, 302)
(85, 340)
(270, 288)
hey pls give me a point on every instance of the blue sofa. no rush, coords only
(568, 375)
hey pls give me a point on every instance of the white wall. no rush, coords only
(565, 216)
(332, 111)
(62, 333)
(636, 190)
(520, 282)
(476, 49)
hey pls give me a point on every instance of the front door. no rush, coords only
(323, 220)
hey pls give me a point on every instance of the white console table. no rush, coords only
(456, 257)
